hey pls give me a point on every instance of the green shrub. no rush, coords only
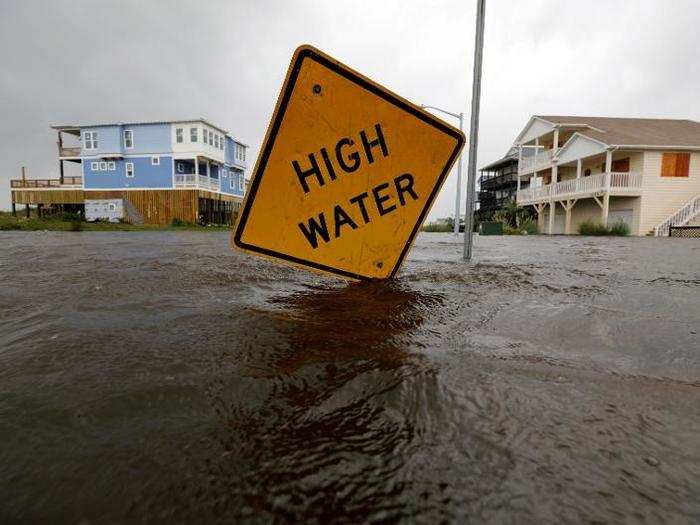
(620, 228)
(595, 228)
(529, 227)
(438, 227)
(592, 228)
(177, 223)
(68, 216)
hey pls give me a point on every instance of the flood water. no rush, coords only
(159, 376)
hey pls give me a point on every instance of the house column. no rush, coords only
(520, 161)
(568, 205)
(539, 208)
(552, 202)
(606, 196)
(579, 165)
(14, 209)
(555, 144)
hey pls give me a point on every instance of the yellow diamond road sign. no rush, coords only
(346, 174)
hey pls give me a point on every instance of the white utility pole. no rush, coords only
(474, 129)
(458, 197)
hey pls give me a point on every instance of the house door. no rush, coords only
(620, 215)
(621, 166)
(559, 221)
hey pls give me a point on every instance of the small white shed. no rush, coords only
(104, 209)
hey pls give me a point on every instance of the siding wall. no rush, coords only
(663, 196)
(147, 138)
(145, 174)
(108, 140)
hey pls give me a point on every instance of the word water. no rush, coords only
(360, 209)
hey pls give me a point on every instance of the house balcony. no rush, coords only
(542, 160)
(68, 183)
(68, 152)
(192, 180)
(616, 183)
(499, 181)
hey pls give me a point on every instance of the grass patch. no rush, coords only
(72, 222)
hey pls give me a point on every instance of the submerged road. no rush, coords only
(160, 376)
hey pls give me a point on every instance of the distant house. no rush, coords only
(645, 172)
(186, 169)
(498, 182)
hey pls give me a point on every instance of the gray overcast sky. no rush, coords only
(95, 61)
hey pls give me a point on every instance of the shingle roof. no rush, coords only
(636, 131)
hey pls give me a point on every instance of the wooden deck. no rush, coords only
(155, 206)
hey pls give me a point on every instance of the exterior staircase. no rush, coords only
(689, 212)
(131, 214)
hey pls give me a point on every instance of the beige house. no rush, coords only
(645, 172)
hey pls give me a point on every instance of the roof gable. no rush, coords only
(536, 127)
(579, 146)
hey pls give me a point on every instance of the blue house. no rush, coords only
(149, 155)
(188, 169)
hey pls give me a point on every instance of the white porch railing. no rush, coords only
(188, 180)
(192, 180)
(208, 183)
(688, 212)
(541, 160)
(573, 188)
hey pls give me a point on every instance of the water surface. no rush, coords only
(160, 376)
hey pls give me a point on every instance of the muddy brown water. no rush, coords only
(153, 376)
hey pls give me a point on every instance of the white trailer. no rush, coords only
(111, 210)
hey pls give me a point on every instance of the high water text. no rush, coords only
(343, 160)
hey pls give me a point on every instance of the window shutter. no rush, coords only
(668, 165)
(682, 164)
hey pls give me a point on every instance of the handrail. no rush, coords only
(46, 183)
(683, 216)
(585, 185)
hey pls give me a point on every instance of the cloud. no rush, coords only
(85, 61)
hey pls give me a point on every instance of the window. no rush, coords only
(130, 170)
(216, 141)
(241, 181)
(103, 166)
(675, 164)
(180, 167)
(193, 134)
(232, 183)
(128, 138)
(221, 143)
(240, 152)
(178, 135)
(206, 135)
(111, 166)
(91, 140)
(155, 161)
(112, 206)
(211, 138)
(94, 166)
